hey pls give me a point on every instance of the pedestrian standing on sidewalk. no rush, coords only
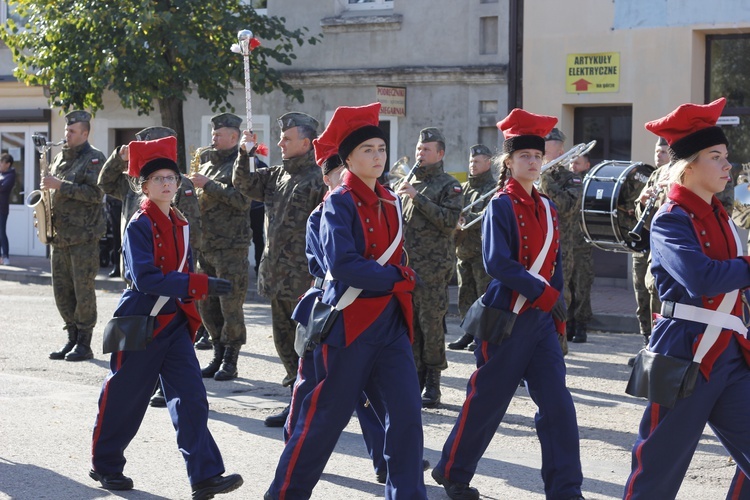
(158, 265)
(368, 348)
(7, 181)
(521, 249)
(701, 275)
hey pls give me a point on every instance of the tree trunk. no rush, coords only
(171, 116)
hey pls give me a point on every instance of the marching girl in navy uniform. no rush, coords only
(158, 264)
(700, 275)
(520, 246)
(369, 346)
(373, 432)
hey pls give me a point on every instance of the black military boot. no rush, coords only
(202, 339)
(82, 350)
(462, 343)
(431, 394)
(580, 335)
(279, 419)
(69, 345)
(455, 490)
(213, 366)
(570, 329)
(228, 369)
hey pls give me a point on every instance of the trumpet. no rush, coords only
(570, 155)
(38, 199)
(476, 202)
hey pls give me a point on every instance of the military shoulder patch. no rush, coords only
(188, 192)
(95, 161)
(456, 189)
(577, 180)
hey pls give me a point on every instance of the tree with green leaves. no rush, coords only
(146, 52)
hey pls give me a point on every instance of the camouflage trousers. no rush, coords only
(472, 282)
(579, 282)
(223, 316)
(74, 271)
(430, 307)
(642, 296)
(567, 270)
(284, 329)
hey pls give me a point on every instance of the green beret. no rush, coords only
(77, 116)
(431, 134)
(480, 149)
(226, 120)
(295, 119)
(555, 135)
(151, 133)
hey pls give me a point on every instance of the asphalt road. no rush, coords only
(47, 410)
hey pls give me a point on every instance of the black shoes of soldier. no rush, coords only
(462, 343)
(431, 394)
(580, 335)
(277, 420)
(228, 369)
(80, 352)
(455, 491)
(381, 476)
(216, 486)
(116, 481)
(203, 342)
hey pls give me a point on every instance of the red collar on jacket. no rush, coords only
(363, 191)
(514, 188)
(169, 245)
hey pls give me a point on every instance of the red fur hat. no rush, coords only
(146, 157)
(690, 128)
(524, 130)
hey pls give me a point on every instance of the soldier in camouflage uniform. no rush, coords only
(432, 203)
(472, 278)
(647, 303)
(565, 189)
(225, 220)
(78, 224)
(582, 274)
(290, 192)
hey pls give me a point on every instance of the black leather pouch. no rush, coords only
(128, 333)
(488, 323)
(662, 379)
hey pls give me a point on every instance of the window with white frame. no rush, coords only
(370, 4)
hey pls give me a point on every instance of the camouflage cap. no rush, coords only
(431, 134)
(480, 149)
(77, 116)
(296, 119)
(555, 135)
(151, 133)
(226, 120)
(661, 141)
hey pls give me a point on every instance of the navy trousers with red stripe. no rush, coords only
(125, 396)
(371, 414)
(532, 352)
(667, 437)
(380, 363)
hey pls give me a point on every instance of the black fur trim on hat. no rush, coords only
(152, 166)
(332, 163)
(358, 137)
(697, 141)
(523, 142)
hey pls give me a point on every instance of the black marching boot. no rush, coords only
(213, 366)
(82, 350)
(69, 345)
(580, 336)
(202, 339)
(462, 343)
(228, 369)
(431, 394)
(279, 419)
(570, 329)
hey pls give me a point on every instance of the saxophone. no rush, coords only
(40, 200)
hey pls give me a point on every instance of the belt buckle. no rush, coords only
(667, 309)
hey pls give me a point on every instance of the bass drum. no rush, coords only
(607, 207)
